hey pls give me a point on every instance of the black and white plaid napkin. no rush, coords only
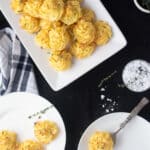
(16, 69)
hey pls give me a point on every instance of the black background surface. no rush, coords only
(79, 103)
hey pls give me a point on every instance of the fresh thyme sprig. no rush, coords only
(40, 112)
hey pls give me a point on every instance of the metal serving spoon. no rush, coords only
(132, 114)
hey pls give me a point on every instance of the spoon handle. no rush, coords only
(134, 112)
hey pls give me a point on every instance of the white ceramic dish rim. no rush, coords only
(32, 94)
(125, 113)
(59, 80)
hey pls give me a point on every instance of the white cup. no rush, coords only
(140, 7)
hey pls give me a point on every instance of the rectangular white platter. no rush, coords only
(59, 80)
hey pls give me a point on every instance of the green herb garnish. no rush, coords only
(44, 110)
(106, 78)
(38, 114)
(121, 85)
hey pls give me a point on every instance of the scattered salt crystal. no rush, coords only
(107, 110)
(114, 102)
(112, 109)
(103, 106)
(102, 97)
(109, 100)
(102, 89)
(107, 104)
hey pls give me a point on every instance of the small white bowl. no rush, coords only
(140, 7)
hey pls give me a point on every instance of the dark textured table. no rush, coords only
(80, 103)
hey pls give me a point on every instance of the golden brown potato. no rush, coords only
(56, 24)
(45, 24)
(80, 1)
(103, 32)
(84, 32)
(52, 10)
(82, 50)
(88, 14)
(45, 131)
(18, 5)
(61, 25)
(59, 38)
(8, 140)
(73, 0)
(30, 145)
(42, 39)
(30, 24)
(61, 60)
(100, 141)
(70, 30)
(72, 12)
(32, 7)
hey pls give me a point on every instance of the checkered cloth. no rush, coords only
(16, 69)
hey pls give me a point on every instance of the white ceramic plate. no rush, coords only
(17, 107)
(135, 135)
(58, 80)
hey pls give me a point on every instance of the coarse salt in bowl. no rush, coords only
(136, 75)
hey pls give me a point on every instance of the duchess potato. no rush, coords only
(84, 32)
(32, 7)
(88, 14)
(62, 25)
(30, 145)
(52, 10)
(30, 24)
(48, 25)
(100, 141)
(82, 50)
(42, 39)
(45, 131)
(73, 0)
(45, 24)
(61, 60)
(59, 37)
(18, 5)
(70, 30)
(72, 12)
(56, 24)
(103, 31)
(8, 140)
